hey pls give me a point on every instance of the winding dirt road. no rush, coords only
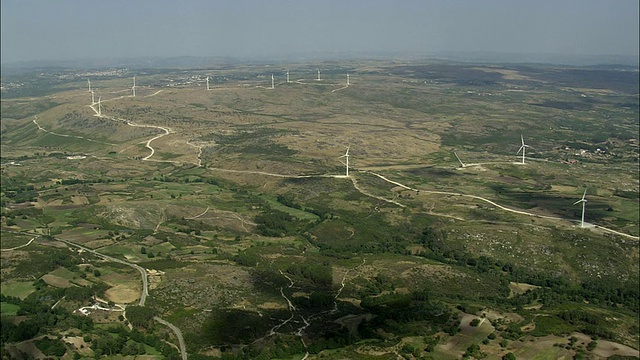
(21, 246)
(499, 206)
(67, 135)
(166, 130)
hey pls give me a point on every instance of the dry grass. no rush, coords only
(123, 294)
(56, 281)
(520, 288)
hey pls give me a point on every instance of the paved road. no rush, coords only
(145, 291)
(143, 272)
(183, 349)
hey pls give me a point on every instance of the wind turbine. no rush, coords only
(346, 156)
(583, 201)
(89, 82)
(99, 107)
(93, 99)
(318, 75)
(134, 87)
(347, 79)
(207, 83)
(461, 163)
(523, 147)
(288, 76)
(273, 86)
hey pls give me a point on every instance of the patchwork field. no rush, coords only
(229, 213)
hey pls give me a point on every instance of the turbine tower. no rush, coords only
(346, 156)
(99, 107)
(288, 76)
(583, 201)
(273, 86)
(347, 79)
(318, 75)
(457, 157)
(522, 148)
(93, 99)
(134, 87)
(207, 83)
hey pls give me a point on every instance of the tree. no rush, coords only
(96, 273)
(509, 356)
(140, 316)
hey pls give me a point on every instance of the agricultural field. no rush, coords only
(225, 218)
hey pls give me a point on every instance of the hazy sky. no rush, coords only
(79, 29)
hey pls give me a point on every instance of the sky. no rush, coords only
(92, 29)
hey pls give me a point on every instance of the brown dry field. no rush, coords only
(123, 294)
(56, 281)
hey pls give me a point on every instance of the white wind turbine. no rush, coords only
(288, 76)
(133, 89)
(318, 75)
(347, 79)
(99, 107)
(207, 83)
(273, 85)
(89, 82)
(93, 98)
(583, 201)
(522, 148)
(346, 156)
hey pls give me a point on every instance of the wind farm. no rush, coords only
(219, 209)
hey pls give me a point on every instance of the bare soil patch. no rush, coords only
(272, 306)
(122, 294)
(76, 341)
(520, 288)
(79, 200)
(607, 349)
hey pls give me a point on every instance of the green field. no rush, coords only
(7, 309)
(18, 289)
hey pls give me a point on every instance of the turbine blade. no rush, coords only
(579, 201)
(521, 147)
(585, 193)
(522, 139)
